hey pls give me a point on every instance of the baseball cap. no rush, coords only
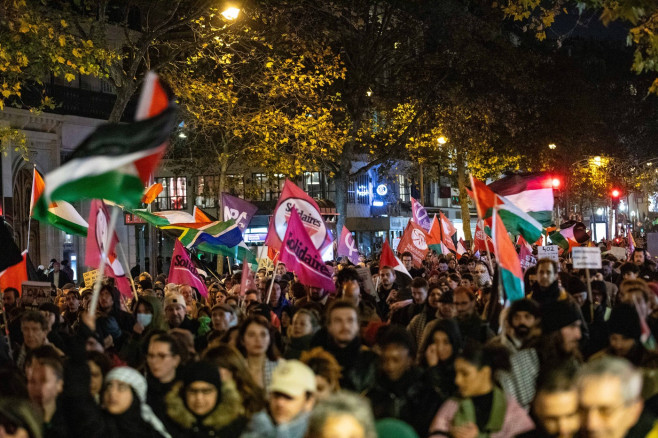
(293, 378)
(173, 299)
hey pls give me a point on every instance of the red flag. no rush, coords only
(300, 256)
(15, 275)
(183, 271)
(248, 281)
(414, 240)
(461, 248)
(388, 259)
(294, 198)
(482, 242)
(447, 231)
(99, 219)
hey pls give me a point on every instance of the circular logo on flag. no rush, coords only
(101, 229)
(310, 217)
(479, 234)
(418, 239)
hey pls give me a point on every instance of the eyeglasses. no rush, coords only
(202, 391)
(602, 411)
(159, 356)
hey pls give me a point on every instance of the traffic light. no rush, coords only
(556, 183)
(615, 195)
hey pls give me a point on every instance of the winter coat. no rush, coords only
(262, 426)
(226, 420)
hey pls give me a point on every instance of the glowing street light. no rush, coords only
(231, 13)
(597, 161)
(552, 146)
(442, 140)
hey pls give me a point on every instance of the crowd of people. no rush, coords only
(437, 353)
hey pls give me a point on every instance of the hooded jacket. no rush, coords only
(227, 419)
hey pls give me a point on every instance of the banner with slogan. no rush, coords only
(183, 271)
(414, 240)
(300, 256)
(35, 293)
(239, 210)
(90, 277)
(294, 198)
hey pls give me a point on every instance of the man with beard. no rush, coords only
(520, 325)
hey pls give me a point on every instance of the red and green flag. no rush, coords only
(532, 193)
(60, 214)
(511, 274)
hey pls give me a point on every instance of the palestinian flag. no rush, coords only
(511, 274)
(439, 239)
(532, 193)
(60, 214)
(570, 234)
(461, 248)
(388, 258)
(115, 163)
(516, 220)
(164, 218)
(213, 233)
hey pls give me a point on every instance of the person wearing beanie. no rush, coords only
(558, 346)
(201, 405)
(175, 309)
(520, 325)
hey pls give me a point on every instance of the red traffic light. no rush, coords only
(615, 193)
(556, 183)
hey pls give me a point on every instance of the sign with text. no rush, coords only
(586, 258)
(366, 280)
(548, 252)
(90, 277)
(35, 293)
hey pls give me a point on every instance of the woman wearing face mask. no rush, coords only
(123, 411)
(202, 405)
(149, 319)
(482, 409)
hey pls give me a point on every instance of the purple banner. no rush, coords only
(420, 215)
(238, 209)
(347, 246)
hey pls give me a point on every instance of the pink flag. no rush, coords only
(301, 257)
(420, 215)
(347, 246)
(99, 219)
(247, 278)
(183, 271)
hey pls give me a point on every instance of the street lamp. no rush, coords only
(552, 146)
(442, 140)
(231, 13)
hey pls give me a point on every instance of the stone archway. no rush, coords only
(22, 192)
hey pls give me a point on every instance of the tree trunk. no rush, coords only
(124, 94)
(341, 182)
(463, 196)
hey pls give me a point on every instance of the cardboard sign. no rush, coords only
(35, 293)
(586, 258)
(366, 280)
(90, 277)
(548, 252)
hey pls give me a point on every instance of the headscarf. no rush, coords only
(137, 382)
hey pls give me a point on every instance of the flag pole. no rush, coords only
(101, 269)
(269, 293)
(29, 217)
(122, 255)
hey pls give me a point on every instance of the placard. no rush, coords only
(366, 280)
(90, 277)
(35, 293)
(586, 257)
(548, 252)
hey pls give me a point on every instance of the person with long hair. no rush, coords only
(233, 367)
(327, 371)
(256, 343)
(482, 409)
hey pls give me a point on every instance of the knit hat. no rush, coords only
(625, 321)
(556, 315)
(138, 383)
(524, 305)
(202, 372)
(293, 378)
(173, 299)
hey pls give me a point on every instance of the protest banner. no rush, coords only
(90, 277)
(35, 293)
(548, 252)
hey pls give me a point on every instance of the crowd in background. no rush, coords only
(437, 353)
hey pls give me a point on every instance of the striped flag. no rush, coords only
(439, 238)
(511, 275)
(388, 258)
(516, 220)
(211, 233)
(532, 193)
(60, 214)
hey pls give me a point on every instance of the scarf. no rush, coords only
(466, 413)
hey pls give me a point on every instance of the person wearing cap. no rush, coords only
(291, 399)
(202, 405)
(558, 346)
(223, 317)
(176, 315)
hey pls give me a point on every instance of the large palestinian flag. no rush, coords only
(114, 163)
(530, 192)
